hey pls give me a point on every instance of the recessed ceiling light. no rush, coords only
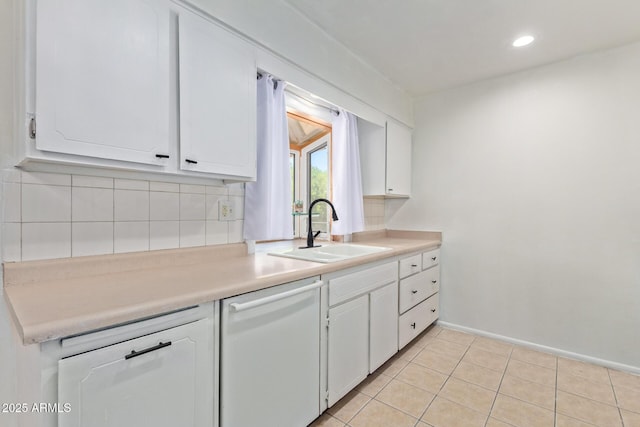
(522, 41)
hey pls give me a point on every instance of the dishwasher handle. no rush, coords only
(258, 302)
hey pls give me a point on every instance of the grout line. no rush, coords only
(504, 372)
(555, 400)
(615, 396)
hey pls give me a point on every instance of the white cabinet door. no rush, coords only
(383, 325)
(102, 79)
(398, 160)
(217, 100)
(171, 384)
(348, 361)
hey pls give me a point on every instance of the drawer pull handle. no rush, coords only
(147, 350)
(162, 156)
(433, 258)
(414, 291)
(414, 265)
(413, 325)
(433, 310)
(434, 281)
(191, 161)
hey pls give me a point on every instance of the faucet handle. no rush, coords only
(316, 233)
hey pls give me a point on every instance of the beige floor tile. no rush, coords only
(585, 370)
(377, 414)
(436, 361)
(373, 384)
(492, 422)
(421, 377)
(410, 351)
(469, 395)
(456, 337)
(628, 399)
(486, 359)
(624, 379)
(433, 331)
(448, 348)
(407, 398)
(530, 392)
(587, 410)
(564, 421)
(493, 346)
(545, 360)
(327, 420)
(630, 419)
(479, 375)
(348, 406)
(393, 366)
(534, 373)
(444, 413)
(521, 414)
(583, 387)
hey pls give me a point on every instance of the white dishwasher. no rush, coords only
(270, 356)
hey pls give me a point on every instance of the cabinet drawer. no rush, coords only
(417, 319)
(417, 288)
(410, 265)
(360, 282)
(431, 258)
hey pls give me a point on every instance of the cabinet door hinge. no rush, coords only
(32, 128)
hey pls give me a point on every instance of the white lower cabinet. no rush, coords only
(362, 327)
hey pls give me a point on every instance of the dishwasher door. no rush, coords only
(270, 357)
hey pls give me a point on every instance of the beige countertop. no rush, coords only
(56, 298)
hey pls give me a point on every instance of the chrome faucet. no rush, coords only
(310, 235)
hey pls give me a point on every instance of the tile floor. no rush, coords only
(447, 378)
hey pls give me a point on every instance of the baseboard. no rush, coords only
(544, 348)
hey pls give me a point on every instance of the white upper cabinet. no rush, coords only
(217, 99)
(102, 79)
(385, 159)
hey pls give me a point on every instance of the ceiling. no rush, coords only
(429, 45)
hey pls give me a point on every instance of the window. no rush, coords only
(310, 165)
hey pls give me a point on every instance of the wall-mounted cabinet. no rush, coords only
(141, 86)
(385, 159)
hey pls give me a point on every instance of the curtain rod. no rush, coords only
(331, 109)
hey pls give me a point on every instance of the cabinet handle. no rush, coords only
(433, 258)
(193, 162)
(389, 189)
(147, 350)
(433, 310)
(413, 325)
(414, 291)
(236, 306)
(162, 156)
(414, 265)
(434, 281)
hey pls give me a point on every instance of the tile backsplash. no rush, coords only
(49, 215)
(373, 213)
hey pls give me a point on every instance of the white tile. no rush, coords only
(12, 175)
(169, 187)
(238, 206)
(11, 241)
(217, 190)
(190, 188)
(46, 240)
(236, 189)
(131, 184)
(91, 181)
(164, 206)
(91, 204)
(164, 235)
(235, 231)
(130, 205)
(46, 203)
(212, 207)
(217, 232)
(192, 207)
(131, 237)
(46, 178)
(12, 203)
(192, 233)
(91, 238)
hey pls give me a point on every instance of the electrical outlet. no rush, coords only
(225, 210)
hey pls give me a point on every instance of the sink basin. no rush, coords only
(330, 253)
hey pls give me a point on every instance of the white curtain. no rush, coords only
(268, 201)
(347, 182)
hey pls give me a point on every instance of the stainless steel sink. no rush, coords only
(330, 253)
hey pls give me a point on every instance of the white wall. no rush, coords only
(534, 180)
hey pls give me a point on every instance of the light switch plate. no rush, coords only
(225, 210)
